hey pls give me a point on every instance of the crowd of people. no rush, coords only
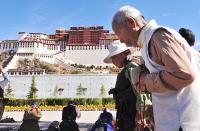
(70, 113)
(33, 114)
(157, 91)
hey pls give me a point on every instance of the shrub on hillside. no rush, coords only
(76, 72)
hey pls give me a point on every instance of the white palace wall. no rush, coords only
(88, 55)
(84, 55)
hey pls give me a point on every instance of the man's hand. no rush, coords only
(138, 79)
(139, 88)
(111, 91)
(143, 86)
(137, 59)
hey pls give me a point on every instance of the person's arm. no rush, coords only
(36, 113)
(177, 69)
(78, 112)
(63, 113)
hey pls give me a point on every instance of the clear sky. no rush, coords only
(46, 16)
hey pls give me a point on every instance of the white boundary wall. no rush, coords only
(69, 83)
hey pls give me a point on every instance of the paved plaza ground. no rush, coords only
(85, 122)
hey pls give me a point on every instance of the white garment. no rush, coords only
(4, 82)
(196, 56)
(173, 109)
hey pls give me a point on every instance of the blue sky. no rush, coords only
(48, 15)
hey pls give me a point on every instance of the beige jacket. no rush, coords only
(165, 50)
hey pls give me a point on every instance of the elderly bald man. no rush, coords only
(173, 78)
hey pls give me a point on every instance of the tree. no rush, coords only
(92, 67)
(103, 90)
(33, 90)
(8, 91)
(81, 90)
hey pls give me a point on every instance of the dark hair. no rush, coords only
(105, 110)
(188, 35)
(71, 103)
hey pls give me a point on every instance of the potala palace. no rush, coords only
(80, 45)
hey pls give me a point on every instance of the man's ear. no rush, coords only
(130, 22)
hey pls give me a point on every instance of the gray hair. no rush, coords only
(126, 11)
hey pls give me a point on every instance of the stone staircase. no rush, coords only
(7, 59)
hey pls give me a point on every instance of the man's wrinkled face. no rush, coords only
(118, 60)
(126, 35)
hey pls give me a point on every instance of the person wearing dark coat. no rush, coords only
(31, 119)
(123, 94)
(69, 115)
(53, 126)
(106, 115)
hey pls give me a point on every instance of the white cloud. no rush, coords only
(168, 14)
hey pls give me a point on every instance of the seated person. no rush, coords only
(53, 126)
(104, 122)
(31, 119)
(106, 116)
(69, 115)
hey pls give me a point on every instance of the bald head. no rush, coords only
(127, 23)
(123, 13)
